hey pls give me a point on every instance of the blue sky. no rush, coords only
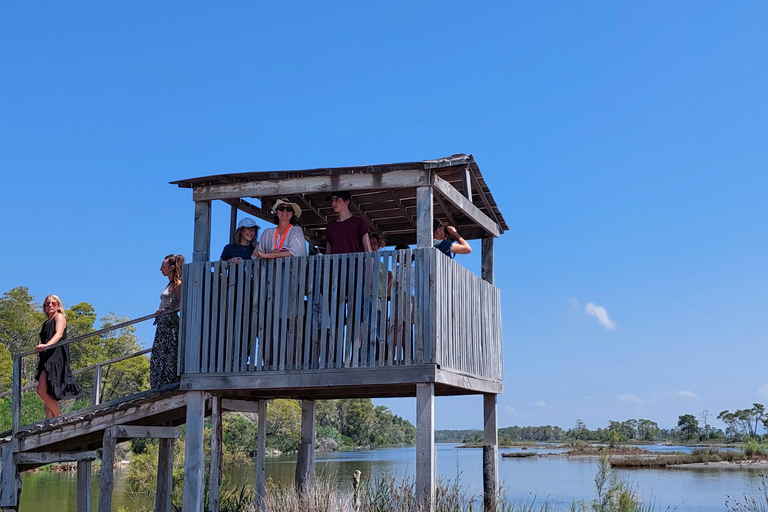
(624, 144)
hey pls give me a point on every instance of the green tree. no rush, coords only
(284, 425)
(689, 426)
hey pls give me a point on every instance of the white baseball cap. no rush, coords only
(247, 222)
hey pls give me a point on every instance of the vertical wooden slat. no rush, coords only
(310, 318)
(287, 287)
(296, 331)
(229, 351)
(237, 333)
(334, 324)
(359, 306)
(490, 452)
(205, 337)
(255, 314)
(184, 317)
(381, 329)
(341, 282)
(407, 332)
(327, 303)
(424, 197)
(96, 392)
(305, 459)
(263, 299)
(245, 332)
(269, 266)
(221, 339)
(212, 345)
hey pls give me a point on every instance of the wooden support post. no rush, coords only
(487, 259)
(424, 217)
(261, 447)
(490, 453)
(96, 398)
(214, 475)
(107, 476)
(84, 492)
(16, 396)
(10, 481)
(425, 446)
(194, 454)
(164, 476)
(466, 180)
(305, 460)
(232, 224)
(202, 240)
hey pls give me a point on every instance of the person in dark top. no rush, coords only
(347, 233)
(448, 241)
(54, 379)
(245, 242)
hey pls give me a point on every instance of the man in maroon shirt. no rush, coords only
(347, 233)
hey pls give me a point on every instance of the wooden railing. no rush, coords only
(338, 311)
(17, 388)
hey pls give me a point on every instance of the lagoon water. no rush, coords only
(559, 479)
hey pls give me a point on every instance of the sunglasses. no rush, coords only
(282, 208)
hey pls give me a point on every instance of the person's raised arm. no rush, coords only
(461, 246)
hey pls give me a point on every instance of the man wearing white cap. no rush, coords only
(245, 242)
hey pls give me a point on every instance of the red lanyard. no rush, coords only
(282, 240)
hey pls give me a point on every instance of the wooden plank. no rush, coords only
(217, 453)
(425, 446)
(233, 405)
(202, 231)
(466, 183)
(194, 454)
(143, 431)
(314, 184)
(184, 317)
(384, 308)
(263, 299)
(310, 318)
(261, 449)
(245, 332)
(232, 223)
(328, 305)
(301, 310)
(237, 339)
(468, 382)
(490, 452)
(229, 350)
(392, 320)
(221, 341)
(213, 300)
(54, 457)
(84, 485)
(106, 475)
(341, 281)
(424, 216)
(164, 476)
(205, 338)
(465, 205)
(272, 290)
(408, 310)
(371, 332)
(255, 306)
(305, 459)
(359, 305)
(96, 392)
(284, 282)
(419, 309)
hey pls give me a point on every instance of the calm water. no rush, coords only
(558, 478)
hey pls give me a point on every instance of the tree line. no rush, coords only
(340, 423)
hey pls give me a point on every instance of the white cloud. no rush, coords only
(627, 397)
(601, 314)
(540, 403)
(573, 303)
(763, 391)
(688, 394)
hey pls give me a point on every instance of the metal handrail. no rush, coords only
(95, 333)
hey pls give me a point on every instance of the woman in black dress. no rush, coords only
(54, 379)
(165, 349)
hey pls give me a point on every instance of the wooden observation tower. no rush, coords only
(317, 327)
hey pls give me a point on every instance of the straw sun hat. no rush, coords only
(296, 208)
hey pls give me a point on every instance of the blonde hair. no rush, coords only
(58, 301)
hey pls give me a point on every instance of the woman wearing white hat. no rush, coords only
(244, 247)
(287, 239)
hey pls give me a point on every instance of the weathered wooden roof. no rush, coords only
(385, 195)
